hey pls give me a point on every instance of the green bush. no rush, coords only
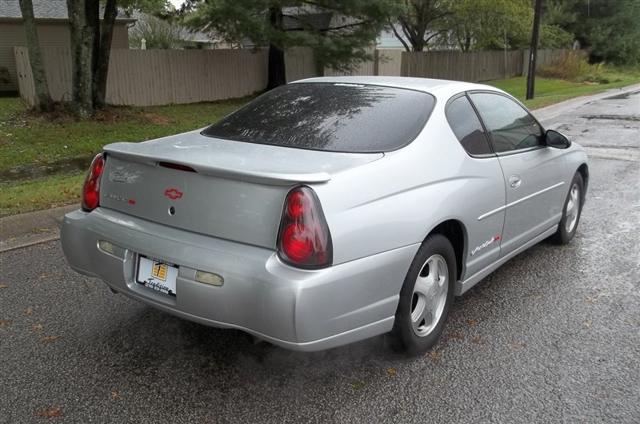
(574, 67)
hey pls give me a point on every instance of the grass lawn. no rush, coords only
(40, 193)
(549, 91)
(26, 139)
(55, 144)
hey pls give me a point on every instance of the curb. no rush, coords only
(549, 112)
(27, 229)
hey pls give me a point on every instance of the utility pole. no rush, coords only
(533, 50)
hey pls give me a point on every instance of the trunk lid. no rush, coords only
(229, 189)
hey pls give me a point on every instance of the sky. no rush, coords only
(176, 3)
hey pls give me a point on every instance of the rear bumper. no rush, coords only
(292, 308)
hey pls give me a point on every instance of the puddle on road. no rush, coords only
(31, 171)
(634, 118)
(622, 96)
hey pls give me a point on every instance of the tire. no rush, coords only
(571, 211)
(424, 304)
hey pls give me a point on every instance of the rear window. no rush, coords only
(330, 116)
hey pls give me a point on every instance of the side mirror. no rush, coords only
(555, 139)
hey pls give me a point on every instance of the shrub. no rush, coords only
(573, 66)
(157, 33)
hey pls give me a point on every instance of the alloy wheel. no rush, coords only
(429, 295)
(573, 208)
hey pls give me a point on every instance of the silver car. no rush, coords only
(329, 210)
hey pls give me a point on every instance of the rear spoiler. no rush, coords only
(262, 177)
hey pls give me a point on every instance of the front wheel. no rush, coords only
(571, 211)
(426, 296)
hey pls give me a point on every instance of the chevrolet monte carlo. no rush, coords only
(329, 210)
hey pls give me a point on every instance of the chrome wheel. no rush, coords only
(573, 208)
(429, 295)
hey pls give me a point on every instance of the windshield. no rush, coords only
(333, 117)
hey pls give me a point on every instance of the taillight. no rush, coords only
(91, 188)
(304, 239)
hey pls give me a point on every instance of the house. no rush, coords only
(150, 32)
(53, 31)
(388, 40)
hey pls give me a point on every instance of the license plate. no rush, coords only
(157, 275)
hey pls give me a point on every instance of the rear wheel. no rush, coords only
(426, 296)
(571, 211)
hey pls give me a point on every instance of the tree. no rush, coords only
(556, 15)
(43, 98)
(420, 21)
(102, 38)
(81, 58)
(91, 37)
(611, 29)
(554, 37)
(489, 24)
(158, 33)
(338, 31)
(559, 12)
(479, 24)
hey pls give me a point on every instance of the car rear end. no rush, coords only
(232, 234)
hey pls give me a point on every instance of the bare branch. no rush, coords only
(399, 37)
(355, 24)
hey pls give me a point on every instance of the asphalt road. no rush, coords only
(554, 335)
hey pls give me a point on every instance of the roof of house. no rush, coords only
(42, 9)
(296, 18)
(299, 18)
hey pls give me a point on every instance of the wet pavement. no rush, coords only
(609, 128)
(554, 335)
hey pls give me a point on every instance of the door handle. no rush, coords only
(515, 181)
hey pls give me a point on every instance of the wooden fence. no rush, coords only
(473, 66)
(24, 75)
(159, 77)
(385, 62)
(389, 62)
(156, 77)
(300, 63)
(546, 57)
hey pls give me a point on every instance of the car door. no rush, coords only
(533, 175)
(484, 191)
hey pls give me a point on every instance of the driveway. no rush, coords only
(554, 335)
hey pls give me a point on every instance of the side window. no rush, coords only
(510, 125)
(467, 127)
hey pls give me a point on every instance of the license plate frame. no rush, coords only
(157, 275)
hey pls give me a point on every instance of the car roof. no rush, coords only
(437, 87)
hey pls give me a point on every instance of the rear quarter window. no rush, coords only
(333, 117)
(467, 127)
